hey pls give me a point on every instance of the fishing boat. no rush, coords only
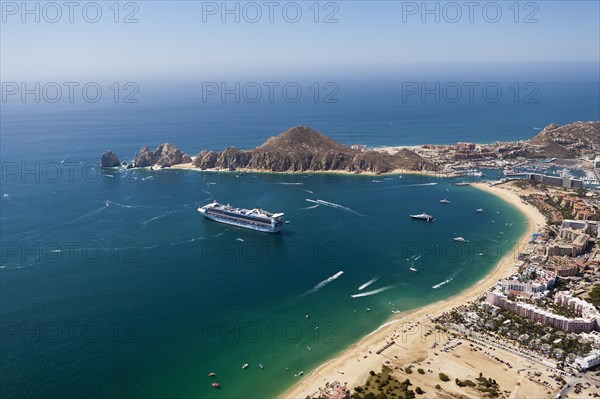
(423, 216)
(444, 201)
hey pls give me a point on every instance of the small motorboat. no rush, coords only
(423, 216)
(213, 374)
(245, 366)
(368, 309)
(412, 269)
(460, 239)
(444, 201)
(480, 210)
(216, 385)
(261, 366)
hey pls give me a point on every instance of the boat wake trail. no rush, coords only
(309, 207)
(334, 205)
(291, 184)
(88, 214)
(323, 283)
(121, 205)
(308, 191)
(183, 242)
(449, 279)
(210, 195)
(414, 257)
(417, 185)
(156, 217)
(368, 283)
(374, 292)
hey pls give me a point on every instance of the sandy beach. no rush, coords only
(413, 342)
(190, 166)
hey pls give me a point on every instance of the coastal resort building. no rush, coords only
(532, 281)
(564, 266)
(572, 239)
(557, 181)
(588, 361)
(584, 226)
(587, 322)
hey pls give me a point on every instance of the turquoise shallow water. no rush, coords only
(119, 288)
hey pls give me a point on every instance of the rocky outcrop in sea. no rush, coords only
(109, 159)
(165, 155)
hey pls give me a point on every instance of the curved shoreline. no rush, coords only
(355, 360)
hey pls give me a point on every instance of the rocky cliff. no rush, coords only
(164, 155)
(304, 149)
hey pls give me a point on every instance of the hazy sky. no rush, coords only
(189, 39)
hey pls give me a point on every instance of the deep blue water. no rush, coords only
(112, 284)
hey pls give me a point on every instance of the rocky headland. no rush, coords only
(302, 149)
(568, 141)
(299, 149)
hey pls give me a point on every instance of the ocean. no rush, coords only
(113, 285)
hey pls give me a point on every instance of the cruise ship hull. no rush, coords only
(264, 227)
